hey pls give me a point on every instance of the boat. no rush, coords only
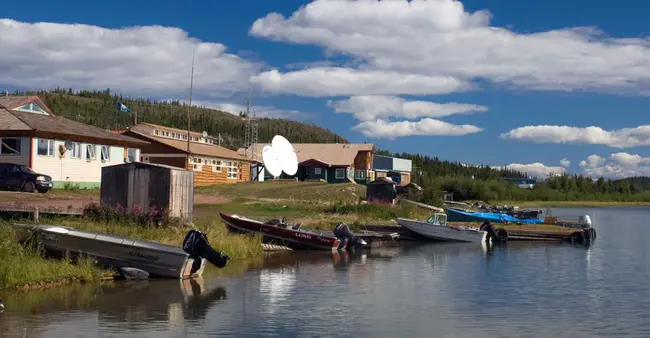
(461, 215)
(436, 228)
(277, 231)
(125, 254)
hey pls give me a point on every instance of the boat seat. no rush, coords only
(296, 226)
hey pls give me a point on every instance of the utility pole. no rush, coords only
(189, 109)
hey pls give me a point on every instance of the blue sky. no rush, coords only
(401, 64)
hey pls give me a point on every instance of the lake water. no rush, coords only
(432, 290)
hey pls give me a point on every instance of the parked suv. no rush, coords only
(21, 177)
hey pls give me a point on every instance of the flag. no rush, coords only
(122, 107)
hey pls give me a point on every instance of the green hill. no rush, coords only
(98, 108)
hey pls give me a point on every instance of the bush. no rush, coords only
(138, 215)
(376, 211)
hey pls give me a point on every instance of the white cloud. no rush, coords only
(537, 169)
(617, 165)
(565, 162)
(135, 60)
(440, 38)
(368, 108)
(617, 138)
(425, 127)
(333, 81)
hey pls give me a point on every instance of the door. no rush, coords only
(3, 181)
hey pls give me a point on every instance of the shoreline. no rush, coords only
(576, 204)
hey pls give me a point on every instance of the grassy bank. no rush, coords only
(26, 268)
(576, 204)
(289, 191)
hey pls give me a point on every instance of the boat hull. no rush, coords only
(443, 233)
(157, 259)
(458, 215)
(295, 239)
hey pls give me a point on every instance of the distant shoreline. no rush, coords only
(587, 204)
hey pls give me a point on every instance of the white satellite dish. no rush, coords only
(286, 154)
(280, 156)
(271, 162)
(204, 134)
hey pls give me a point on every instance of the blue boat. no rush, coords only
(460, 215)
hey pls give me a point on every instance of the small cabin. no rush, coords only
(149, 185)
(381, 191)
(410, 191)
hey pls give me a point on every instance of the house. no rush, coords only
(329, 162)
(398, 169)
(212, 164)
(71, 152)
(524, 183)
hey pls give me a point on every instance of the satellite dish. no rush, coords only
(204, 134)
(271, 161)
(286, 154)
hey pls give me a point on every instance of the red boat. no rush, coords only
(278, 232)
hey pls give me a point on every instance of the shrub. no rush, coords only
(136, 214)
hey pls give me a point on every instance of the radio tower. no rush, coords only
(250, 138)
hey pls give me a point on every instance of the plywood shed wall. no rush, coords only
(147, 185)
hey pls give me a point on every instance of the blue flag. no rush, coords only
(122, 107)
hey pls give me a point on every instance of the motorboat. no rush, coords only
(436, 228)
(278, 231)
(126, 254)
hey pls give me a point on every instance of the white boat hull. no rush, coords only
(443, 233)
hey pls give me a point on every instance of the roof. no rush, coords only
(32, 124)
(213, 150)
(330, 154)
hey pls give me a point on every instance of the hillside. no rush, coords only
(636, 183)
(98, 108)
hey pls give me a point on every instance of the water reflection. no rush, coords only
(517, 289)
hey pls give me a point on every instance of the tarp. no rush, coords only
(457, 215)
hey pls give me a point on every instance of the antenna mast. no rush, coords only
(250, 138)
(189, 109)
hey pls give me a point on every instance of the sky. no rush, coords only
(543, 87)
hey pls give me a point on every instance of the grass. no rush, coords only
(25, 268)
(289, 190)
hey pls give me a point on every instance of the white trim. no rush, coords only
(163, 155)
(336, 173)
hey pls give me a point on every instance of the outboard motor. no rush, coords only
(197, 246)
(342, 231)
(585, 221)
(500, 235)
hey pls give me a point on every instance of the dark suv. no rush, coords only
(21, 177)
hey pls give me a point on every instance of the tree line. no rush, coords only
(485, 183)
(99, 108)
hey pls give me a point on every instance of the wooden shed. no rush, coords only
(410, 191)
(381, 191)
(149, 185)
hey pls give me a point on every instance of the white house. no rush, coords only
(71, 152)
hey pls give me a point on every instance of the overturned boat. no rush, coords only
(460, 215)
(133, 257)
(277, 231)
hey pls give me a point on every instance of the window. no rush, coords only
(130, 155)
(217, 166)
(233, 171)
(45, 147)
(340, 173)
(317, 171)
(10, 146)
(90, 152)
(76, 150)
(360, 174)
(197, 167)
(106, 153)
(156, 132)
(32, 107)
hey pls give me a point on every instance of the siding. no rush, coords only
(363, 160)
(23, 158)
(206, 175)
(75, 170)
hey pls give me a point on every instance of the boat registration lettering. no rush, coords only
(143, 256)
(303, 235)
